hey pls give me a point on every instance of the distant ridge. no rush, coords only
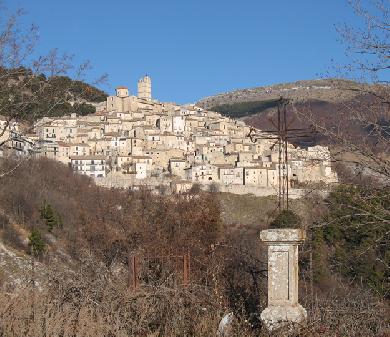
(329, 90)
(327, 99)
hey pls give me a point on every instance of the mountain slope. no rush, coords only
(28, 96)
(328, 103)
(329, 90)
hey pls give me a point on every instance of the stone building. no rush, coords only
(158, 142)
(145, 88)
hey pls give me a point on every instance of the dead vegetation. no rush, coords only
(84, 291)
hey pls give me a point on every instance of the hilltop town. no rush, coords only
(134, 141)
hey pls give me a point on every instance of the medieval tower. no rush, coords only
(145, 88)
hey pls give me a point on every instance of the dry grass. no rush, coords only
(89, 296)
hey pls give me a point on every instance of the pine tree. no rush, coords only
(50, 217)
(36, 242)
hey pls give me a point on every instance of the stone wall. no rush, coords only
(294, 193)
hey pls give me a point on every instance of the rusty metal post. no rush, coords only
(186, 269)
(280, 200)
(189, 267)
(133, 272)
(286, 154)
(283, 134)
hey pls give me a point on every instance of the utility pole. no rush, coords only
(281, 135)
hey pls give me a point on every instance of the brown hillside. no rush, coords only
(329, 90)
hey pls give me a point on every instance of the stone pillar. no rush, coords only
(283, 307)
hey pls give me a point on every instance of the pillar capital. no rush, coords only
(282, 235)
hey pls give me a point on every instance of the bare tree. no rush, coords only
(359, 129)
(29, 83)
(359, 133)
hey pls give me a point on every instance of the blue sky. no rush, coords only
(193, 48)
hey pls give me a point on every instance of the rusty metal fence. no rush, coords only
(168, 271)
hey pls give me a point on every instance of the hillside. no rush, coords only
(29, 96)
(317, 102)
(84, 235)
(328, 90)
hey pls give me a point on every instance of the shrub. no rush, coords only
(286, 219)
(356, 231)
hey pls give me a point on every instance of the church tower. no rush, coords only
(145, 88)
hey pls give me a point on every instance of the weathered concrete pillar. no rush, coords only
(283, 307)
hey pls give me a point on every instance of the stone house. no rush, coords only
(63, 152)
(12, 127)
(177, 167)
(245, 157)
(171, 141)
(111, 126)
(202, 174)
(48, 132)
(123, 160)
(92, 166)
(230, 175)
(178, 124)
(165, 124)
(141, 170)
(79, 149)
(256, 176)
(191, 124)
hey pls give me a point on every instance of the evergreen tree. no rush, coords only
(50, 216)
(36, 243)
